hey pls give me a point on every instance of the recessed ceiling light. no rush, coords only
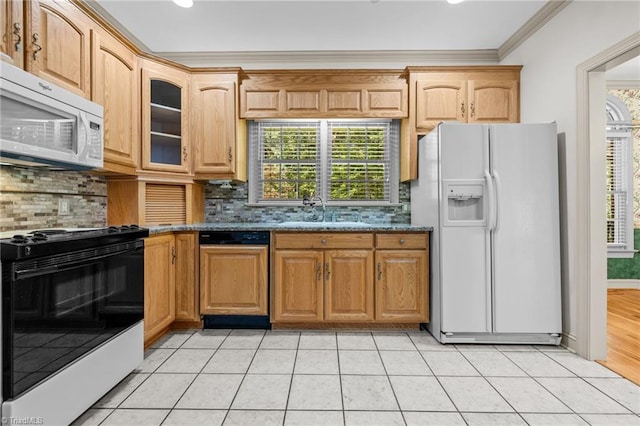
(448, 1)
(184, 3)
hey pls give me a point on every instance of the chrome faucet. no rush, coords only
(306, 201)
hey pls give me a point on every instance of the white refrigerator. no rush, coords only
(490, 192)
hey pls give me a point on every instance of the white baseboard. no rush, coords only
(631, 284)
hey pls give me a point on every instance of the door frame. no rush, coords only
(591, 249)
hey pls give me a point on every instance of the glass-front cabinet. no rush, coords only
(164, 119)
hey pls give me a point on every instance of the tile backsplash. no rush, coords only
(230, 205)
(30, 197)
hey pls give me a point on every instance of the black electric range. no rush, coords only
(31, 244)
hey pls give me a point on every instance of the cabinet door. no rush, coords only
(187, 284)
(12, 26)
(214, 125)
(115, 86)
(401, 286)
(438, 101)
(233, 280)
(159, 285)
(348, 285)
(165, 124)
(298, 286)
(59, 45)
(493, 101)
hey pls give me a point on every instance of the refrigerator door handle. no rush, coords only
(491, 201)
(496, 223)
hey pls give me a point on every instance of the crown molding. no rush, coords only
(332, 58)
(623, 84)
(537, 21)
(108, 18)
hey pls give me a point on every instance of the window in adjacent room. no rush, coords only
(342, 161)
(619, 179)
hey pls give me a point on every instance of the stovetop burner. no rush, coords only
(59, 240)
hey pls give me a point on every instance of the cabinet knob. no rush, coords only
(327, 273)
(401, 241)
(379, 271)
(323, 241)
(318, 271)
(462, 109)
(184, 153)
(230, 155)
(472, 109)
(173, 255)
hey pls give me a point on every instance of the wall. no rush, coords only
(229, 205)
(29, 199)
(548, 93)
(626, 269)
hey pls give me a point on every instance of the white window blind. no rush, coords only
(360, 159)
(618, 190)
(342, 161)
(619, 169)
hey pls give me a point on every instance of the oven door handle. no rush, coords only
(63, 266)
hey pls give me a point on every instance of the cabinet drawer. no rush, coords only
(322, 240)
(401, 241)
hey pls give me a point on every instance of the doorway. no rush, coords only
(591, 291)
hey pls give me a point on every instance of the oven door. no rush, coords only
(58, 308)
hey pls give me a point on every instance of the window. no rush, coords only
(342, 161)
(619, 180)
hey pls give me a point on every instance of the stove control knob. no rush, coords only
(18, 239)
(39, 236)
(113, 230)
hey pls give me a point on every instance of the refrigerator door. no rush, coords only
(464, 262)
(525, 241)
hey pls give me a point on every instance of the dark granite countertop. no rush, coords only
(291, 226)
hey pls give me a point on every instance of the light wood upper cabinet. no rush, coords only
(348, 285)
(13, 33)
(438, 101)
(298, 286)
(187, 280)
(493, 101)
(116, 86)
(159, 285)
(58, 44)
(324, 94)
(476, 94)
(165, 118)
(233, 280)
(218, 134)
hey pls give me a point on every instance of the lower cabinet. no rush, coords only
(187, 278)
(159, 285)
(350, 281)
(402, 279)
(233, 280)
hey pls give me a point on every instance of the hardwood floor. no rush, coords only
(623, 333)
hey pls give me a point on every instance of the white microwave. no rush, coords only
(42, 124)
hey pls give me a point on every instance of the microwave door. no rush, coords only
(37, 126)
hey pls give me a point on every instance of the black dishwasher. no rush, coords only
(234, 279)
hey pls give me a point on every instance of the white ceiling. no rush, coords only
(275, 34)
(312, 25)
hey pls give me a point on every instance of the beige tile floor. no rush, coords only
(250, 377)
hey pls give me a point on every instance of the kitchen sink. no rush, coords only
(324, 224)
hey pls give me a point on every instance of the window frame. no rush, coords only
(323, 180)
(619, 128)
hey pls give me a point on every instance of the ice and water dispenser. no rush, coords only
(464, 204)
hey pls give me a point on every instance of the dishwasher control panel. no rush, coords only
(234, 237)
